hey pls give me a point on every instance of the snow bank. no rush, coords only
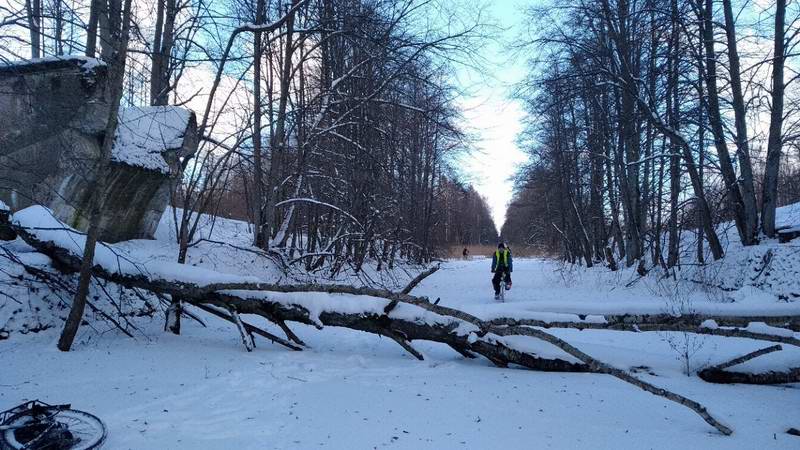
(788, 216)
(4, 207)
(128, 261)
(145, 133)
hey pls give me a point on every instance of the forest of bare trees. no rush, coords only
(329, 125)
(653, 121)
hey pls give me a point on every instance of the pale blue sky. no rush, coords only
(493, 115)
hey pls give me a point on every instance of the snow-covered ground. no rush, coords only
(201, 390)
(541, 286)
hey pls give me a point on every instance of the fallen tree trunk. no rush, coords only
(691, 324)
(418, 279)
(249, 328)
(625, 321)
(371, 320)
(719, 374)
(729, 377)
(402, 330)
(747, 357)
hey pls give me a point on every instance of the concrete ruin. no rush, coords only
(52, 118)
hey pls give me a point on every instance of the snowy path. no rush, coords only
(201, 390)
(545, 286)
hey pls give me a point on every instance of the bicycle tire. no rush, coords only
(90, 430)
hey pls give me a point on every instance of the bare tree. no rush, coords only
(117, 26)
(775, 141)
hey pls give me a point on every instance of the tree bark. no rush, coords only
(600, 367)
(114, 93)
(747, 357)
(278, 138)
(155, 58)
(749, 208)
(674, 160)
(34, 11)
(260, 228)
(715, 119)
(161, 70)
(769, 198)
(730, 377)
(91, 31)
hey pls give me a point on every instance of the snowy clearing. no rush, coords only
(353, 390)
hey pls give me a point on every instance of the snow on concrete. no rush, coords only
(788, 216)
(86, 62)
(145, 133)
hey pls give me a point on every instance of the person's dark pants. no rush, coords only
(498, 274)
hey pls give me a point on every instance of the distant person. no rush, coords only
(465, 253)
(502, 266)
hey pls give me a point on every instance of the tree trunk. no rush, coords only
(260, 228)
(674, 161)
(34, 11)
(701, 150)
(116, 72)
(278, 138)
(109, 16)
(715, 119)
(91, 31)
(769, 198)
(162, 50)
(750, 210)
(155, 58)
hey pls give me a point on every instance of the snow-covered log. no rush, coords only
(764, 328)
(745, 358)
(720, 374)
(730, 377)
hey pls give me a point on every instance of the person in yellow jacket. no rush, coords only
(502, 266)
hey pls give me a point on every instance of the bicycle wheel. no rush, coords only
(86, 431)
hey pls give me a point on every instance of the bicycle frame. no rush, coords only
(41, 411)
